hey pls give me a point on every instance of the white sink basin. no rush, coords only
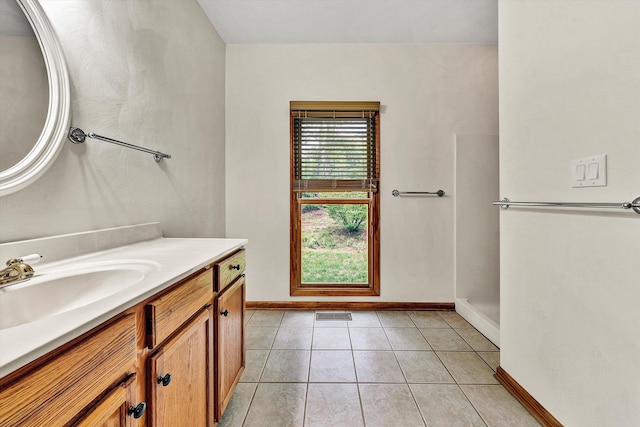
(59, 290)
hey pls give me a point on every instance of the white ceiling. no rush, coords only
(354, 21)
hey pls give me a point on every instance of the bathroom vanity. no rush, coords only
(167, 350)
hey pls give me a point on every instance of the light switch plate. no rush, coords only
(589, 171)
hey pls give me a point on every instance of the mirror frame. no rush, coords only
(52, 138)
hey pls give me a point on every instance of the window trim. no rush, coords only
(297, 288)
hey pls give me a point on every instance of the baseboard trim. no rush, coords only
(538, 411)
(347, 305)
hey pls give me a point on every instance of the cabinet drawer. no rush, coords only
(54, 393)
(168, 312)
(228, 270)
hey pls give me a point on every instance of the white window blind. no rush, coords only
(335, 151)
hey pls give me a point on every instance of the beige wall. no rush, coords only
(428, 93)
(569, 85)
(151, 73)
(477, 225)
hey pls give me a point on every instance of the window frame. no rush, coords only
(297, 288)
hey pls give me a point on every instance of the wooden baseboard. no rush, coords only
(346, 305)
(543, 416)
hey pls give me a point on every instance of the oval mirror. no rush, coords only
(30, 156)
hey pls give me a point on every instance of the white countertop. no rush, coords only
(177, 258)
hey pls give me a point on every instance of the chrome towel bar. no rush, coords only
(634, 205)
(77, 136)
(397, 193)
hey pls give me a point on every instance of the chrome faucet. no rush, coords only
(18, 270)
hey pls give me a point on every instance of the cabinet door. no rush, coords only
(230, 342)
(114, 409)
(180, 387)
(54, 393)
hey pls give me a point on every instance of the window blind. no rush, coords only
(335, 151)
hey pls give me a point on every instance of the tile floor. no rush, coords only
(387, 368)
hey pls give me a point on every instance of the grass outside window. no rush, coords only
(333, 252)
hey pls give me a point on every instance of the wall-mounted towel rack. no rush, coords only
(397, 193)
(634, 205)
(78, 136)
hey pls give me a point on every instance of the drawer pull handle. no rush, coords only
(137, 411)
(224, 313)
(165, 380)
(235, 267)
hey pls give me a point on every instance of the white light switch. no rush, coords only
(589, 171)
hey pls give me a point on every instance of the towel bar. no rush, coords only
(77, 136)
(634, 205)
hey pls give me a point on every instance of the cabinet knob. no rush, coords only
(165, 380)
(224, 313)
(137, 411)
(235, 267)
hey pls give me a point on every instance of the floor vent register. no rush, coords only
(333, 316)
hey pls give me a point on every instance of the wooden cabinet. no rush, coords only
(172, 360)
(229, 342)
(116, 409)
(179, 380)
(57, 391)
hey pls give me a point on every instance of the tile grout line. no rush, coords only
(415, 401)
(306, 399)
(471, 403)
(255, 391)
(355, 371)
(253, 395)
(404, 375)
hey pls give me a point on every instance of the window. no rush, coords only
(335, 208)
